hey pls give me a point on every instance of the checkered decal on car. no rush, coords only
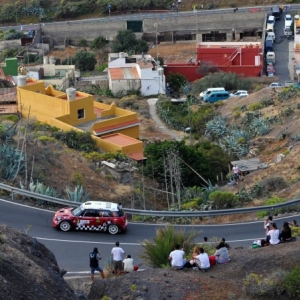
(91, 227)
(88, 227)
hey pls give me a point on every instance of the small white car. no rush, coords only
(240, 94)
(275, 84)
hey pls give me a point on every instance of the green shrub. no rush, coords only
(77, 179)
(221, 200)
(82, 141)
(255, 106)
(291, 283)
(271, 201)
(295, 231)
(262, 285)
(190, 205)
(156, 252)
(228, 80)
(275, 200)
(45, 138)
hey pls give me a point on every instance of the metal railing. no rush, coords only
(155, 213)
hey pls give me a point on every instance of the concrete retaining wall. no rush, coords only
(77, 30)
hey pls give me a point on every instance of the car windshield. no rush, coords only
(77, 211)
(288, 18)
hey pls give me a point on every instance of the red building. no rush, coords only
(237, 57)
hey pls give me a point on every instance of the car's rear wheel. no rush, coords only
(65, 226)
(113, 229)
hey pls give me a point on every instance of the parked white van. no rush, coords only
(208, 91)
(271, 20)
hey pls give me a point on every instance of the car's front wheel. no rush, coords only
(113, 229)
(65, 226)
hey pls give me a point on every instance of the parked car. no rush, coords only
(92, 216)
(288, 20)
(210, 90)
(240, 93)
(216, 96)
(271, 20)
(271, 34)
(275, 84)
(289, 83)
(31, 33)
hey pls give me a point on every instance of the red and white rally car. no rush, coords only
(92, 215)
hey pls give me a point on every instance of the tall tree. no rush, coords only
(85, 61)
(126, 41)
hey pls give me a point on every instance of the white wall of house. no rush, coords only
(151, 82)
(122, 86)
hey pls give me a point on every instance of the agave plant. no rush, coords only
(259, 127)
(12, 161)
(79, 194)
(216, 127)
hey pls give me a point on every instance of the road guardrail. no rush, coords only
(155, 213)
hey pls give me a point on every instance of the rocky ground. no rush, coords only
(28, 270)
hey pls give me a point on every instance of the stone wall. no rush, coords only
(90, 29)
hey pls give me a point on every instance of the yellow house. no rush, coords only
(114, 129)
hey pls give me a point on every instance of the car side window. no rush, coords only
(106, 213)
(91, 213)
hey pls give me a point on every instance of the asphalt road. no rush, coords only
(281, 49)
(152, 15)
(71, 249)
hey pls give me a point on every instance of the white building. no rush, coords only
(136, 72)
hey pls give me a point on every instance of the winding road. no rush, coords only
(71, 249)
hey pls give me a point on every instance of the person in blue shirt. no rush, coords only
(94, 263)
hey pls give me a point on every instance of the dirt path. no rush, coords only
(160, 125)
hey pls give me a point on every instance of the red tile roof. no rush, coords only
(123, 73)
(116, 126)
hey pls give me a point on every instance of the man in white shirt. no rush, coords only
(117, 254)
(128, 264)
(176, 258)
(202, 260)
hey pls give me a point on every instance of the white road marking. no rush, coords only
(175, 225)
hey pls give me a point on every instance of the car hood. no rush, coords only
(64, 212)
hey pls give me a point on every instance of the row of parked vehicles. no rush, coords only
(212, 95)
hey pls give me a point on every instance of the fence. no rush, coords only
(209, 213)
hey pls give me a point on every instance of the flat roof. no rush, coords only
(120, 139)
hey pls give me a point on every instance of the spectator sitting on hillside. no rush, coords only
(273, 235)
(176, 258)
(267, 223)
(286, 233)
(202, 261)
(226, 244)
(294, 223)
(196, 252)
(222, 256)
(128, 265)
